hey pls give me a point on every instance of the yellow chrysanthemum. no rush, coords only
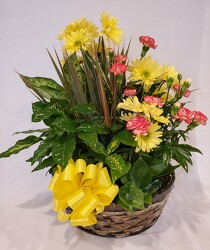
(151, 140)
(110, 29)
(131, 104)
(156, 113)
(127, 117)
(78, 34)
(146, 70)
(168, 71)
(163, 90)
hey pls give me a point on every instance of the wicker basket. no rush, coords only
(117, 222)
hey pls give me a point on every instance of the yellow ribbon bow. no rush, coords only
(85, 189)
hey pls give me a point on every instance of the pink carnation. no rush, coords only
(199, 117)
(139, 125)
(184, 114)
(119, 58)
(153, 100)
(118, 69)
(129, 92)
(148, 41)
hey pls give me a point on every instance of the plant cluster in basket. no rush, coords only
(111, 125)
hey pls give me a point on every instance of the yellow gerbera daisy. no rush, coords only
(110, 29)
(146, 70)
(151, 140)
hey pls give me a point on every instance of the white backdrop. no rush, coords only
(181, 30)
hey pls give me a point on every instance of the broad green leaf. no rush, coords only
(65, 124)
(156, 165)
(84, 109)
(112, 146)
(43, 110)
(91, 140)
(45, 87)
(20, 145)
(118, 167)
(99, 128)
(44, 148)
(122, 205)
(148, 199)
(131, 196)
(126, 137)
(153, 187)
(140, 173)
(49, 162)
(63, 149)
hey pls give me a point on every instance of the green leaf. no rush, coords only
(118, 167)
(148, 199)
(99, 128)
(153, 187)
(187, 147)
(45, 87)
(20, 145)
(43, 110)
(44, 164)
(126, 137)
(112, 146)
(91, 140)
(84, 109)
(156, 165)
(131, 196)
(43, 150)
(64, 124)
(63, 149)
(122, 205)
(140, 173)
(32, 131)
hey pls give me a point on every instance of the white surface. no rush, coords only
(181, 29)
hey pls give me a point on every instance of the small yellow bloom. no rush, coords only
(110, 29)
(146, 70)
(151, 140)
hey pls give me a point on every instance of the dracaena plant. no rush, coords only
(106, 109)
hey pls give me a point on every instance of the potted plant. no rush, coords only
(112, 137)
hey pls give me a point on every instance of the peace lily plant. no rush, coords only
(112, 126)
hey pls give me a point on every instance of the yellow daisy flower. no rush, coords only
(156, 113)
(78, 34)
(131, 104)
(151, 140)
(168, 71)
(127, 117)
(146, 70)
(110, 29)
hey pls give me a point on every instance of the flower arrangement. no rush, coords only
(112, 127)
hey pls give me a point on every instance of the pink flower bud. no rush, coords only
(119, 58)
(148, 41)
(129, 92)
(186, 93)
(199, 117)
(118, 69)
